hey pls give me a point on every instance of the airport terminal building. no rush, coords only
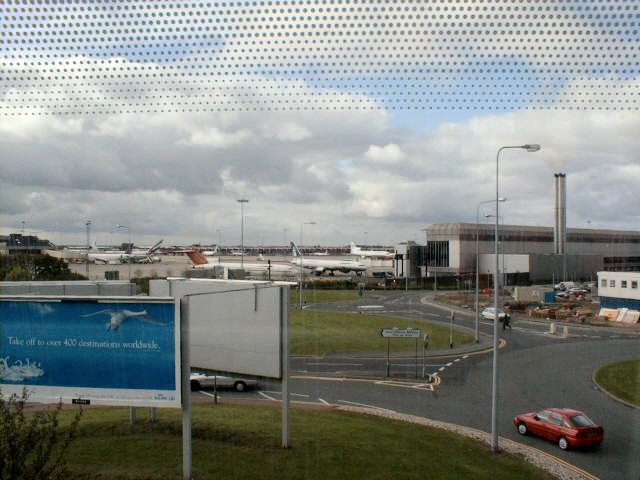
(530, 252)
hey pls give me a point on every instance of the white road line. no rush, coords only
(277, 392)
(449, 364)
(465, 356)
(299, 395)
(441, 369)
(267, 397)
(457, 360)
(323, 401)
(208, 394)
(365, 405)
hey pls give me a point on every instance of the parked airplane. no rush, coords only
(355, 250)
(319, 266)
(211, 253)
(198, 260)
(118, 257)
(320, 254)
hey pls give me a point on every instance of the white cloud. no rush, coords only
(389, 154)
(215, 138)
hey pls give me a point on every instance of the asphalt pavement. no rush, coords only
(536, 370)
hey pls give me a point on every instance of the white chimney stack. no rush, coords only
(560, 213)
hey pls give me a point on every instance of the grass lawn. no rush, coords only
(310, 296)
(622, 379)
(241, 442)
(320, 333)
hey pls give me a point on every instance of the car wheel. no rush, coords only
(240, 386)
(522, 428)
(195, 385)
(563, 443)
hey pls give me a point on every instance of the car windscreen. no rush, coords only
(582, 421)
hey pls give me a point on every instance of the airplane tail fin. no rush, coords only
(354, 248)
(155, 247)
(197, 258)
(261, 258)
(296, 252)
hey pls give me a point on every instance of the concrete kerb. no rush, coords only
(607, 392)
(553, 465)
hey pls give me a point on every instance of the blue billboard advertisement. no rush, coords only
(102, 351)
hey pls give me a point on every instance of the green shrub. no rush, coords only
(33, 445)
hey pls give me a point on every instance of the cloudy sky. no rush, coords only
(376, 175)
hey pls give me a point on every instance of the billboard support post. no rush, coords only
(185, 372)
(284, 325)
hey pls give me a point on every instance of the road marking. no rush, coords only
(465, 356)
(323, 401)
(418, 386)
(267, 397)
(336, 364)
(424, 386)
(449, 364)
(299, 395)
(366, 406)
(457, 360)
(212, 395)
(441, 369)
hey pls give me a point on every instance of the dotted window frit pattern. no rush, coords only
(78, 57)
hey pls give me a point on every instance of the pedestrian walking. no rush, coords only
(506, 322)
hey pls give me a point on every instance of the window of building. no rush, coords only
(623, 283)
(612, 283)
(603, 283)
(634, 284)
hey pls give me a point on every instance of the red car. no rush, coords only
(569, 428)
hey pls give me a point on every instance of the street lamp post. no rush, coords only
(88, 225)
(494, 383)
(242, 201)
(129, 248)
(477, 299)
(301, 269)
(219, 240)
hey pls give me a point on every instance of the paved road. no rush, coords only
(536, 370)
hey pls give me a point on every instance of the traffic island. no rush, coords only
(243, 442)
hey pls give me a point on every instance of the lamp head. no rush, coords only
(531, 147)
(502, 199)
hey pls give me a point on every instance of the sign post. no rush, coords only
(186, 389)
(425, 345)
(396, 332)
(451, 330)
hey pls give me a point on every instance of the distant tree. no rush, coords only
(22, 267)
(17, 274)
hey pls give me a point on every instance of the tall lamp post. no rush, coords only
(88, 225)
(301, 269)
(129, 253)
(477, 299)
(494, 383)
(219, 240)
(242, 201)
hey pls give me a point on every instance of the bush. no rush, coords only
(33, 446)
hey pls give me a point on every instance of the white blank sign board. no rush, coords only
(234, 326)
